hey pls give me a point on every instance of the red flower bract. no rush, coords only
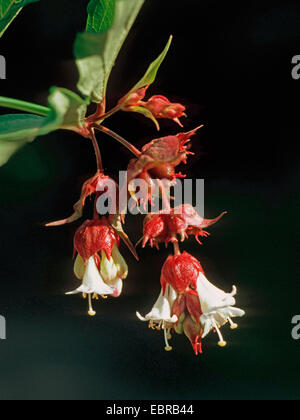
(161, 107)
(133, 98)
(160, 157)
(181, 272)
(94, 236)
(182, 220)
(194, 332)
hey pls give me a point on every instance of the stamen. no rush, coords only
(160, 326)
(95, 296)
(169, 335)
(104, 297)
(233, 326)
(91, 311)
(221, 342)
(84, 295)
(168, 347)
(151, 325)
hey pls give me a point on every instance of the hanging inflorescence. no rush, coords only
(188, 302)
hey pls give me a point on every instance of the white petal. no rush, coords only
(118, 287)
(211, 297)
(92, 281)
(172, 295)
(161, 311)
(208, 326)
(220, 317)
(140, 317)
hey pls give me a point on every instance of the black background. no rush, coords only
(231, 66)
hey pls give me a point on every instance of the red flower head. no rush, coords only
(95, 236)
(161, 107)
(182, 220)
(159, 159)
(181, 272)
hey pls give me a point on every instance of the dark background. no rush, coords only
(232, 66)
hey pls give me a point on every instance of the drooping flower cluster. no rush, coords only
(188, 303)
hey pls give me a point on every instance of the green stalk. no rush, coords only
(24, 106)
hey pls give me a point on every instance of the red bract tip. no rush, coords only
(194, 333)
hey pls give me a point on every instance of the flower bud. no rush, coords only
(161, 107)
(155, 230)
(133, 98)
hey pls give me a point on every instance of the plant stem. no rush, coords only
(176, 248)
(165, 200)
(24, 106)
(109, 114)
(97, 151)
(120, 139)
(100, 111)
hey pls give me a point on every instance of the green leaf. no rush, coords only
(96, 52)
(67, 110)
(146, 113)
(151, 73)
(9, 9)
(100, 15)
(15, 131)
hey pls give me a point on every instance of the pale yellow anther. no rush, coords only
(92, 313)
(104, 297)
(222, 344)
(169, 348)
(234, 326)
(84, 295)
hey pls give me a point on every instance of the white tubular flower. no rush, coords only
(217, 308)
(160, 316)
(92, 284)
